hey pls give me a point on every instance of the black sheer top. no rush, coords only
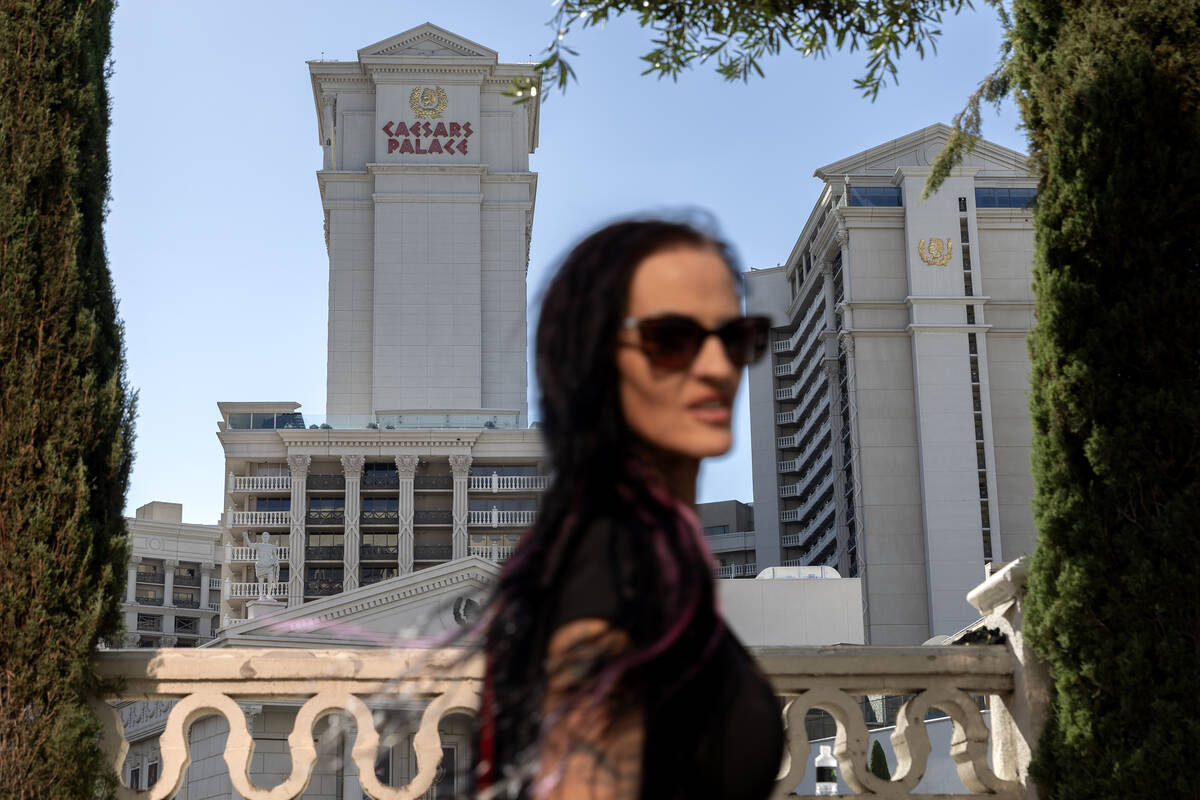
(719, 732)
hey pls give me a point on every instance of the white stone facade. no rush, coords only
(428, 202)
(890, 428)
(173, 590)
(424, 455)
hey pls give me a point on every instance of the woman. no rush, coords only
(611, 674)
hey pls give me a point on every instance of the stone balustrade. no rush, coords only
(444, 682)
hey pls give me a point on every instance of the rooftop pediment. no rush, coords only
(429, 603)
(919, 148)
(426, 41)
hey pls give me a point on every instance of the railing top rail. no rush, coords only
(282, 672)
(145, 671)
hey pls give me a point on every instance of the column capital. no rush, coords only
(460, 465)
(327, 99)
(134, 560)
(352, 466)
(406, 465)
(298, 466)
(847, 343)
(207, 566)
(842, 236)
(170, 563)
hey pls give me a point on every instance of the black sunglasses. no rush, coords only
(673, 340)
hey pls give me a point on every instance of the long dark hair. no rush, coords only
(598, 475)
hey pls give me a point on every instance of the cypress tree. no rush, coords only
(879, 765)
(1109, 92)
(66, 414)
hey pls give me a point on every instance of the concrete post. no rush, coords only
(298, 465)
(406, 468)
(460, 466)
(352, 468)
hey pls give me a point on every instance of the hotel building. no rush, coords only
(424, 455)
(890, 426)
(173, 591)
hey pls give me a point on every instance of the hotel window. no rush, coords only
(325, 503)
(886, 196)
(135, 778)
(715, 529)
(1004, 197)
(980, 447)
(272, 504)
(151, 774)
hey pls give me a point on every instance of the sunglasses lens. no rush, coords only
(745, 339)
(671, 342)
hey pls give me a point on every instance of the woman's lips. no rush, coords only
(713, 412)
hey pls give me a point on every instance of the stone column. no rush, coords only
(327, 124)
(352, 468)
(205, 570)
(169, 582)
(460, 465)
(131, 587)
(406, 468)
(298, 465)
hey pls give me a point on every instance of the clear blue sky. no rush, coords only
(215, 231)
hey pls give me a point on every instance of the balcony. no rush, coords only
(496, 553)
(326, 516)
(789, 344)
(187, 580)
(214, 605)
(387, 516)
(324, 553)
(245, 555)
(322, 588)
(508, 483)
(438, 483)
(258, 519)
(151, 577)
(502, 519)
(214, 584)
(990, 756)
(250, 590)
(241, 421)
(148, 600)
(381, 479)
(737, 570)
(432, 552)
(185, 601)
(433, 517)
(796, 415)
(259, 483)
(375, 552)
(327, 483)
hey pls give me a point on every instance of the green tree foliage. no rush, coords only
(737, 34)
(1110, 93)
(879, 765)
(66, 414)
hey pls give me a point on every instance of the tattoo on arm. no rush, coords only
(591, 749)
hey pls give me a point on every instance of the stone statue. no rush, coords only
(266, 562)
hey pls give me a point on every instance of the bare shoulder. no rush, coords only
(593, 746)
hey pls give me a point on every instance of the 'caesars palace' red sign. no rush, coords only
(422, 138)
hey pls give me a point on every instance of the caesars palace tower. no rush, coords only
(422, 472)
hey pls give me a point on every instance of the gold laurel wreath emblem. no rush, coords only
(936, 254)
(427, 103)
